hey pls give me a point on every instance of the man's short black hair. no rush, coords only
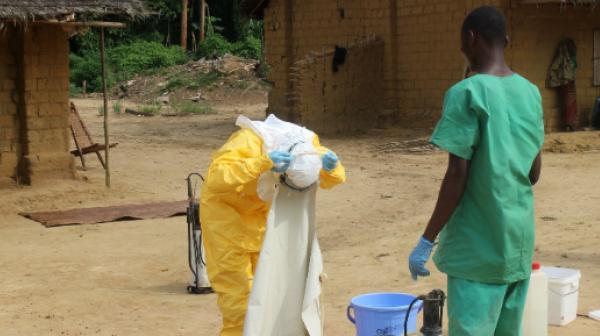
(488, 22)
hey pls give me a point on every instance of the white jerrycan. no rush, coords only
(535, 316)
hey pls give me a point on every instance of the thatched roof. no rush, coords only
(27, 10)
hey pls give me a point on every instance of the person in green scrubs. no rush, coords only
(492, 127)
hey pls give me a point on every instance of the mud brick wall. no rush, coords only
(536, 32)
(9, 126)
(34, 72)
(429, 57)
(346, 100)
(294, 30)
(421, 57)
(46, 102)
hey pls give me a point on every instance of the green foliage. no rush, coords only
(142, 47)
(117, 108)
(123, 62)
(168, 9)
(253, 28)
(175, 82)
(87, 68)
(133, 58)
(101, 110)
(250, 47)
(214, 45)
(74, 91)
(189, 107)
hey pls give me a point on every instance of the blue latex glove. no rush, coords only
(330, 161)
(418, 258)
(281, 161)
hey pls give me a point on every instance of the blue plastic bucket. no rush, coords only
(383, 314)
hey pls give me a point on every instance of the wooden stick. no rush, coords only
(105, 96)
(184, 19)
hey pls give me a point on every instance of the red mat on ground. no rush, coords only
(108, 214)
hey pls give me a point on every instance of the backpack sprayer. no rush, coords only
(199, 283)
(433, 312)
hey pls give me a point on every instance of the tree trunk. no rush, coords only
(184, 20)
(202, 20)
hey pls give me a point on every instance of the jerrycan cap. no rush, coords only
(535, 266)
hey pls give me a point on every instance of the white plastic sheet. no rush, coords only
(287, 137)
(285, 295)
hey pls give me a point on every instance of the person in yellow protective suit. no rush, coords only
(233, 217)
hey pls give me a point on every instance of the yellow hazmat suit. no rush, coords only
(233, 220)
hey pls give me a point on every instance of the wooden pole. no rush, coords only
(202, 20)
(184, 19)
(105, 96)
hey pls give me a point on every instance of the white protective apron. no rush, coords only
(285, 295)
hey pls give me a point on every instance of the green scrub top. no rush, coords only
(497, 124)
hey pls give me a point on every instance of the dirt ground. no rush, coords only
(129, 278)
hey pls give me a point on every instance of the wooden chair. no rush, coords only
(83, 140)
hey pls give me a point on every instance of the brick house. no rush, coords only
(402, 55)
(34, 83)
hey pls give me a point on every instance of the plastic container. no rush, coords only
(535, 315)
(563, 294)
(383, 314)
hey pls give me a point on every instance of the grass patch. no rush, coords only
(176, 81)
(188, 107)
(193, 82)
(117, 107)
(150, 109)
(101, 110)
(204, 79)
(241, 84)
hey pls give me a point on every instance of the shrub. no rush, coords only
(250, 47)
(88, 68)
(139, 56)
(214, 45)
(123, 62)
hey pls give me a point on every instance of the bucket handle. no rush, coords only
(350, 317)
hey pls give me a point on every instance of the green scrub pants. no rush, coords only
(482, 309)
